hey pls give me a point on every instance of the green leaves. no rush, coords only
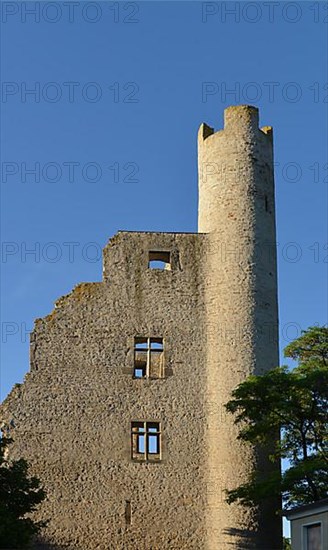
(312, 346)
(19, 495)
(296, 403)
(287, 544)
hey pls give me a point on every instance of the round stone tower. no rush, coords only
(237, 210)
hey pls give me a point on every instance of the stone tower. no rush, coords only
(237, 212)
(122, 413)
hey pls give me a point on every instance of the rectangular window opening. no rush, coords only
(141, 343)
(159, 260)
(153, 445)
(156, 344)
(148, 357)
(145, 440)
(141, 444)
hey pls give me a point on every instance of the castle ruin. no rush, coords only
(122, 413)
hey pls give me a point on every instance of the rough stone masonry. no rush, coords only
(122, 413)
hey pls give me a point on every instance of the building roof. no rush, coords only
(307, 509)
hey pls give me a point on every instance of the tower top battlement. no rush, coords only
(239, 119)
(241, 116)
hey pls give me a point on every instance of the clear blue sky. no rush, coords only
(122, 86)
(126, 86)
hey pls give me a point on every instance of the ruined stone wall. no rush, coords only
(236, 208)
(71, 418)
(216, 309)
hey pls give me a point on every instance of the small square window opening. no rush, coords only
(139, 372)
(159, 260)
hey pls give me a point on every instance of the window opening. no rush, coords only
(145, 442)
(148, 358)
(159, 260)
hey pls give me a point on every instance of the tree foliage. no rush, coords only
(19, 495)
(296, 403)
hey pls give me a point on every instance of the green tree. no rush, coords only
(287, 544)
(19, 495)
(296, 403)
